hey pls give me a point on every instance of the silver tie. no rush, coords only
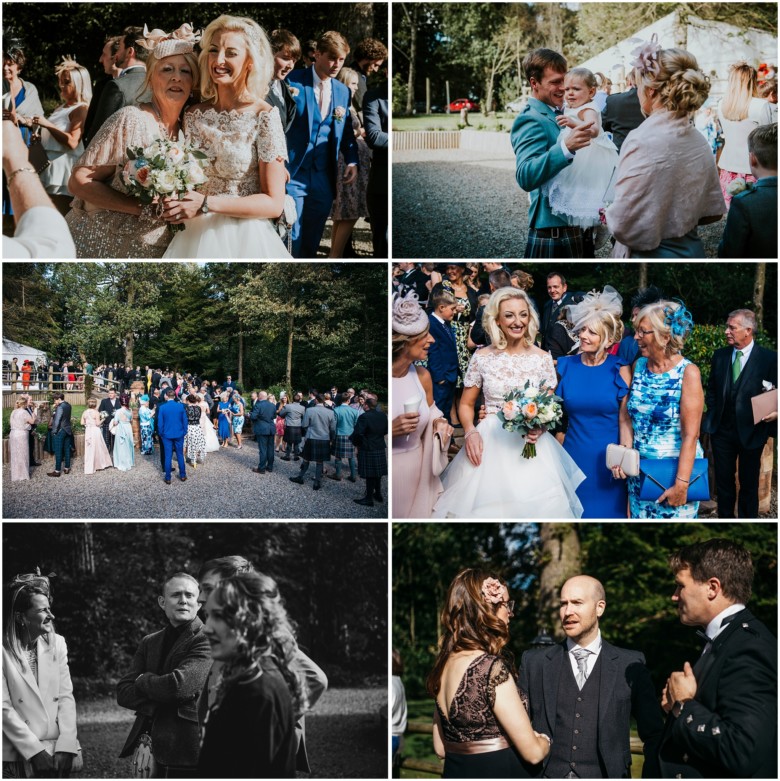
(581, 656)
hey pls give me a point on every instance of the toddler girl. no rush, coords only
(587, 185)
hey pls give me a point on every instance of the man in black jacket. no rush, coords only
(622, 113)
(287, 51)
(62, 434)
(739, 372)
(722, 712)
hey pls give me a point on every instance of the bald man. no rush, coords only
(583, 691)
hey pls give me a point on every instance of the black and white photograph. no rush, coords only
(194, 650)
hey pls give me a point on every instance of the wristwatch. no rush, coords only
(204, 207)
(677, 708)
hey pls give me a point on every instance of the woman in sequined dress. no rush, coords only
(106, 221)
(481, 727)
(243, 138)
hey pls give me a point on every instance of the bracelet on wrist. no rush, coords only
(13, 174)
(682, 479)
(473, 431)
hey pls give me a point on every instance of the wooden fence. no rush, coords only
(426, 139)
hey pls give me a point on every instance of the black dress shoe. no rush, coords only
(333, 477)
(183, 479)
(366, 501)
(298, 480)
(352, 479)
(317, 485)
(36, 463)
(167, 481)
(285, 458)
(258, 471)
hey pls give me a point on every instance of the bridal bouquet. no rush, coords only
(530, 407)
(164, 168)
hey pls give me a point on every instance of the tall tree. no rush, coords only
(560, 560)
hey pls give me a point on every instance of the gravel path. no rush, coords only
(223, 487)
(457, 203)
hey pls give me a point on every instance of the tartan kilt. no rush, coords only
(316, 450)
(292, 434)
(569, 244)
(372, 463)
(343, 447)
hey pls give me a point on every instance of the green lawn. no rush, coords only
(420, 746)
(500, 121)
(77, 410)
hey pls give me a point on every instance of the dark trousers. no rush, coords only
(168, 446)
(443, 395)
(294, 449)
(726, 449)
(377, 210)
(61, 450)
(108, 438)
(31, 441)
(265, 447)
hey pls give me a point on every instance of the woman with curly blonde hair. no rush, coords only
(250, 728)
(666, 182)
(481, 727)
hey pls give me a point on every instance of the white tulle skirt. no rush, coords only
(218, 236)
(587, 185)
(506, 485)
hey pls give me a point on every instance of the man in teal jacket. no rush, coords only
(540, 156)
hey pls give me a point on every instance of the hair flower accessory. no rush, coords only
(68, 63)
(679, 320)
(162, 44)
(595, 304)
(647, 56)
(409, 317)
(492, 590)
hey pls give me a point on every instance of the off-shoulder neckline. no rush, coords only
(231, 112)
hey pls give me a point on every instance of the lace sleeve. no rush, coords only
(271, 143)
(547, 371)
(473, 378)
(126, 127)
(499, 673)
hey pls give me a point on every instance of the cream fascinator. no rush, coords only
(162, 44)
(595, 304)
(409, 317)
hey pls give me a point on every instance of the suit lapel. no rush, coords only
(311, 103)
(609, 671)
(181, 639)
(47, 666)
(705, 663)
(551, 677)
(750, 367)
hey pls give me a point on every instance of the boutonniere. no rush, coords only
(294, 91)
(339, 113)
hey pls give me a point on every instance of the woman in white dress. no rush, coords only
(242, 136)
(490, 478)
(62, 131)
(212, 443)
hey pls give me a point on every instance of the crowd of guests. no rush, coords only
(460, 345)
(569, 708)
(645, 167)
(287, 147)
(338, 432)
(234, 684)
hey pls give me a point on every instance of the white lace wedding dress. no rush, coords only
(506, 485)
(234, 143)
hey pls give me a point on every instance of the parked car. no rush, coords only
(462, 103)
(517, 105)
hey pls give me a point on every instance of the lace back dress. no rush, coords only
(475, 745)
(235, 143)
(101, 233)
(506, 485)
(588, 184)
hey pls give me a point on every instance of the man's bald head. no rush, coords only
(582, 603)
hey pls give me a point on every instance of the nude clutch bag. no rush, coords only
(763, 404)
(627, 458)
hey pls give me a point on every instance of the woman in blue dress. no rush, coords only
(224, 430)
(665, 405)
(124, 455)
(146, 419)
(237, 416)
(594, 388)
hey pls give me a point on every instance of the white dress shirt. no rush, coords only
(714, 628)
(590, 661)
(325, 85)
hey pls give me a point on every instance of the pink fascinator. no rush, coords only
(162, 44)
(492, 590)
(409, 317)
(647, 56)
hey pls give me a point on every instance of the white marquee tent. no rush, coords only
(21, 352)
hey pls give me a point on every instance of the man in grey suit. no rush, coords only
(163, 687)
(126, 88)
(263, 424)
(583, 691)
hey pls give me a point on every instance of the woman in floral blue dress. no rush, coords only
(237, 411)
(146, 419)
(665, 406)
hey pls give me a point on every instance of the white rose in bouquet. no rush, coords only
(164, 181)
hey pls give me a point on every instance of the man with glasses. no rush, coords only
(584, 691)
(737, 374)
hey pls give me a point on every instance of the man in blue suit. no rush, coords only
(541, 155)
(321, 128)
(171, 428)
(263, 416)
(443, 353)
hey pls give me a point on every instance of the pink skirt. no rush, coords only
(280, 427)
(726, 178)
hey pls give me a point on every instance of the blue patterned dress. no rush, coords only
(654, 407)
(146, 420)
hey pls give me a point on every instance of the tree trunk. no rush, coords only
(85, 551)
(355, 21)
(643, 275)
(411, 18)
(241, 359)
(758, 295)
(288, 372)
(560, 560)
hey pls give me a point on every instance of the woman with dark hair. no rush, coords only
(250, 728)
(39, 712)
(194, 441)
(122, 429)
(481, 727)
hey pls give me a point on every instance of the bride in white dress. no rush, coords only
(243, 138)
(489, 478)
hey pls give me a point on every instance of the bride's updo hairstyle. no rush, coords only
(260, 62)
(678, 82)
(469, 621)
(490, 317)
